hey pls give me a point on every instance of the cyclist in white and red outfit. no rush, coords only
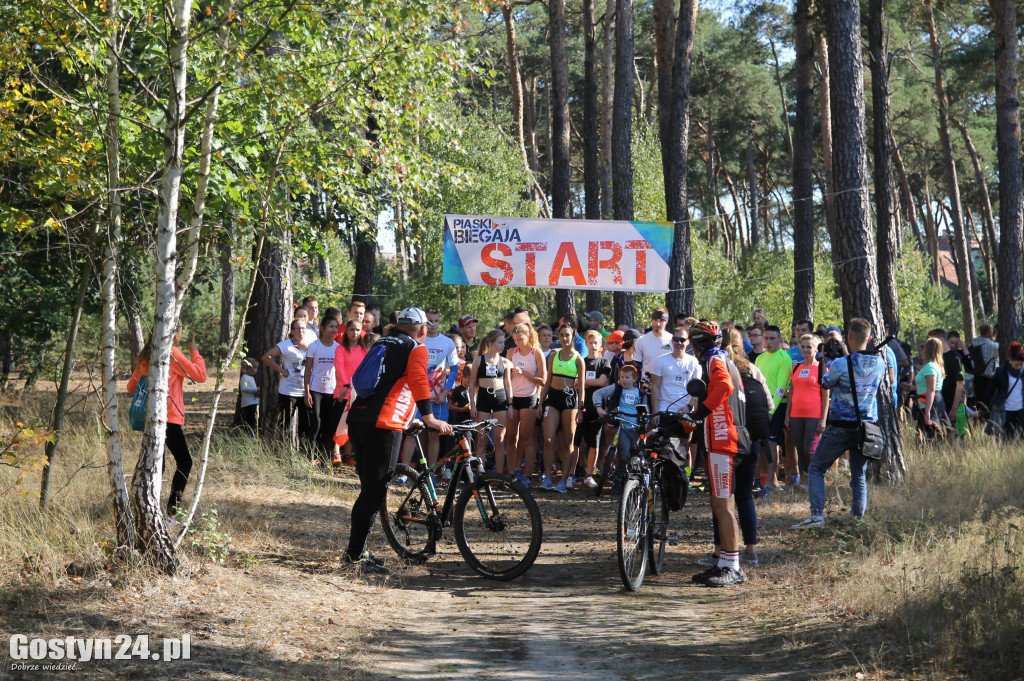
(723, 411)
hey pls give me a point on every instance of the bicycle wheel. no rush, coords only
(407, 517)
(632, 539)
(499, 533)
(657, 530)
(607, 469)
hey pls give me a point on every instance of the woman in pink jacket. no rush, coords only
(347, 357)
(181, 368)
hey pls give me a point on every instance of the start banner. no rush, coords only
(610, 255)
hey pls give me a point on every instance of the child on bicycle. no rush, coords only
(624, 396)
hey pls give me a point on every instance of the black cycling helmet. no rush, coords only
(705, 335)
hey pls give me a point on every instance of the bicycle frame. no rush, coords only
(466, 462)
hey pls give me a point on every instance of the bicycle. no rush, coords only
(643, 516)
(500, 540)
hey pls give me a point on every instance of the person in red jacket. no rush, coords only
(181, 368)
(375, 426)
(723, 411)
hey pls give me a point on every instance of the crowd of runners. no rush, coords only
(781, 406)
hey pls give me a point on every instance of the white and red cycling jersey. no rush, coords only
(403, 385)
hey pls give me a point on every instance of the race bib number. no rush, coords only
(629, 399)
(781, 392)
(491, 371)
(591, 375)
(804, 373)
(679, 379)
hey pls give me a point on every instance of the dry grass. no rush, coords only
(260, 588)
(933, 578)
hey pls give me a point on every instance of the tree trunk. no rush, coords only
(622, 150)
(65, 380)
(607, 70)
(782, 95)
(591, 166)
(959, 235)
(755, 201)
(931, 230)
(226, 244)
(154, 543)
(908, 199)
(857, 274)
(6, 360)
(515, 81)
(888, 238)
(1011, 184)
(988, 221)
(803, 166)
(269, 317)
(676, 50)
(366, 248)
(124, 519)
(561, 191)
(980, 298)
(826, 149)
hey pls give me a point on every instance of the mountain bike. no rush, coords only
(496, 521)
(643, 517)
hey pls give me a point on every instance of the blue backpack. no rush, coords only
(369, 371)
(137, 410)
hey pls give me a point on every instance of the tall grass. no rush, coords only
(939, 565)
(75, 535)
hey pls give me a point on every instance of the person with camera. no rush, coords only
(845, 414)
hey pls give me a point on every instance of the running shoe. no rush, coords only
(446, 473)
(367, 564)
(589, 482)
(560, 487)
(710, 560)
(546, 483)
(810, 522)
(336, 460)
(525, 481)
(748, 559)
(401, 479)
(726, 577)
(702, 577)
(570, 482)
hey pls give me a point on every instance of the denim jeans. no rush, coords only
(833, 443)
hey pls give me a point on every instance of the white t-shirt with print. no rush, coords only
(648, 348)
(443, 356)
(323, 378)
(294, 359)
(675, 374)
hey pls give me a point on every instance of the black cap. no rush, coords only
(630, 335)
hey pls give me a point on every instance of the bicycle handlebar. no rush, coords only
(419, 427)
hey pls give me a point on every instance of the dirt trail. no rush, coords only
(570, 618)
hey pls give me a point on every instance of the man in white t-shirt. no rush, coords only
(654, 343)
(442, 371)
(671, 373)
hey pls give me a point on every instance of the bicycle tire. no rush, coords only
(608, 469)
(657, 530)
(407, 517)
(632, 534)
(506, 544)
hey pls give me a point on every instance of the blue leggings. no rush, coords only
(743, 474)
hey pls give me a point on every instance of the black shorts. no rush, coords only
(589, 432)
(777, 427)
(562, 399)
(491, 399)
(528, 402)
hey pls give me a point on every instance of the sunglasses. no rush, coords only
(613, 342)
(679, 339)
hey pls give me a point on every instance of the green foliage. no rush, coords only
(207, 538)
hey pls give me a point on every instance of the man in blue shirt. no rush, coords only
(842, 431)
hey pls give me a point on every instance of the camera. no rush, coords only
(831, 349)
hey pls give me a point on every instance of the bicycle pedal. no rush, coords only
(673, 539)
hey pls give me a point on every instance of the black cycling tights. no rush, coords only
(178, 448)
(376, 453)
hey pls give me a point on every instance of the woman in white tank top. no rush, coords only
(529, 372)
